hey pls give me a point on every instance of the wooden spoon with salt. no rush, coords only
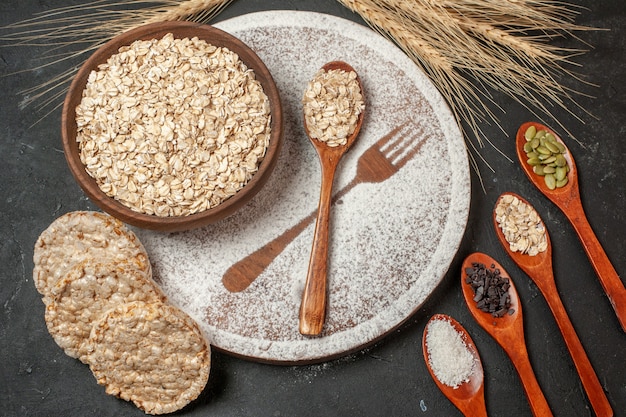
(468, 397)
(508, 331)
(313, 306)
(539, 269)
(567, 198)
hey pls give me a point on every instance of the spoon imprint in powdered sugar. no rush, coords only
(378, 163)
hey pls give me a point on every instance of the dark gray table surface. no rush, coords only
(390, 377)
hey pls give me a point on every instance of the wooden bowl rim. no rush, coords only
(216, 37)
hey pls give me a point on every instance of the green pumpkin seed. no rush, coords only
(530, 133)
(550, 137)
(538, 169)
(561, 183)
(535, 143)
(560, 173)
(544, 150)
(552, 146)
(561, 147)
(533, 161)
(540, 134)
(560, 161)
(528, 147)
(550, 181)
(549, 160)
(549, 170)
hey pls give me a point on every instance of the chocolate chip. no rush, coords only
(491, 289)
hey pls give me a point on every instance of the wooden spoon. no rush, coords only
(469, 397)
(508, 331)
(539, 269)
(567, 199)
(313, 307)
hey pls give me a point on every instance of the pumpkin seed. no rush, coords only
(560, 161)
(549, 160)
(552, 147)
(535, 143)
(561, 183)
(560, 173)
(544, 150)
(530, 133)
(527, 147)
(550, 181)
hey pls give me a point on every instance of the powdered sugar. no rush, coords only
(391, 242)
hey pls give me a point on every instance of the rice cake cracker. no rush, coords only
(87, 292)
(77, 236)
(152, 354)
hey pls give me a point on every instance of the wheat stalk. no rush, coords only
(466, 47)
(69, 33)
(499, 45)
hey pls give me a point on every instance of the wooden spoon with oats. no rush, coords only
(539, 269)
(333, 114)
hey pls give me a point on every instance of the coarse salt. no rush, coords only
(450, 359)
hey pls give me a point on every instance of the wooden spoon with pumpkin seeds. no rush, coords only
(567, 198)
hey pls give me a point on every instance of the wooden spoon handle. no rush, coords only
(536, 399)
(475, 406)
(588, 377)
(611, 282)
(313, 307)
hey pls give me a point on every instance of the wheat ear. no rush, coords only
(70, 33)
(471, 47)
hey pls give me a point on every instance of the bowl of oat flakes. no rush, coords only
(172, 126)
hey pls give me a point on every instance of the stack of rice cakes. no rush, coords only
(103, 307)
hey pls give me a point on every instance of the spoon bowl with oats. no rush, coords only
(512, 211)
(333, 110)
(564, 192)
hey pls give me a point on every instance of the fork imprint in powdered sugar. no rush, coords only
(376, 164)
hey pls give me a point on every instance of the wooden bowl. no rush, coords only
(110, 205)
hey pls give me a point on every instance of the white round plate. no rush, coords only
(391, 242)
